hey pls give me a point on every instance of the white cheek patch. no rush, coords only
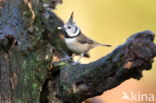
(70, 33)
(70, 40)
(78, 31)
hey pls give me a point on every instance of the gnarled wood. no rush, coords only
(24, 65)
(79, 82)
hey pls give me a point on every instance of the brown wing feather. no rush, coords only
(84, 40)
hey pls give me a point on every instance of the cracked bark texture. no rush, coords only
(30, 49)
(77, 83)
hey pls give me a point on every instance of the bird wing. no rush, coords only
(84, 40)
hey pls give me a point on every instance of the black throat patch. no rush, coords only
(67, 36)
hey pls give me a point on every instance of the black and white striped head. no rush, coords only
(70, 28)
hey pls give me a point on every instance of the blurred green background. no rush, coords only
(112, 22)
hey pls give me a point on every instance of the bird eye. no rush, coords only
(69, 27)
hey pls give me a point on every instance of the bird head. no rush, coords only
(70, 28)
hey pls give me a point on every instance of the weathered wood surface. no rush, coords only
(28, 49)
(79, 82)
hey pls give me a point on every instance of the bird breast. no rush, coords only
(76, 46)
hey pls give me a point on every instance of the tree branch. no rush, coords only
(82, 81)
(68, 84)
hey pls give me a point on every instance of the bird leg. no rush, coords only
(81, 55)
(66, 58)
(69, 58)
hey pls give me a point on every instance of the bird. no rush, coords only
(75, 40)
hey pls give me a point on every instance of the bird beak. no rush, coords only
(61, 28)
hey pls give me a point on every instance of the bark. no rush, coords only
(31, 48)
(6, 88)
(79, 82)
(11, 32)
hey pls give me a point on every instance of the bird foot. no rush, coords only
(66, 59)
(75, 63)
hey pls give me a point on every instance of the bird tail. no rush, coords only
(99, 44)
(105, 45)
